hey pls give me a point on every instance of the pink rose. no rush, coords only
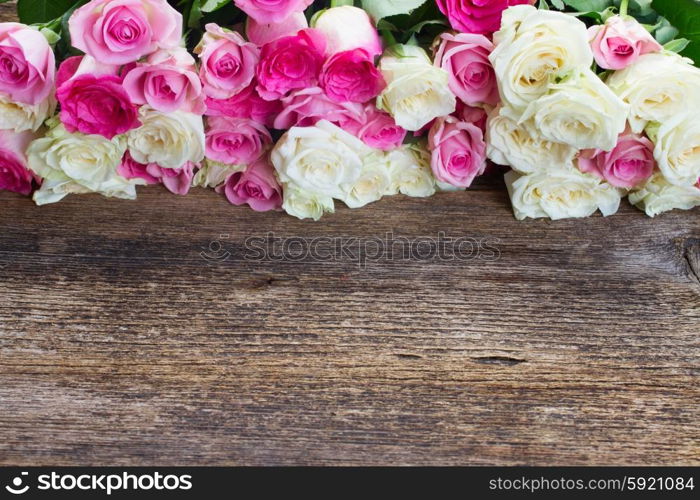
(476, 16)
(351, 76)
(257, 186)
(376, 129)
(228, 62)
(458, 151)
(348, 28)
(235, 141)
(175, 180)
(123, 31)
(246, 104)
(465, 57)
(27, 64)
(15, 176)
(471, 114)
(629, 164)
(262, 33)
(167, 82)
(290, 63)
(304, 108)
(96, 104)
(619, 42)
(271, 11)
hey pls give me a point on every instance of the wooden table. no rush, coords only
(121, 345)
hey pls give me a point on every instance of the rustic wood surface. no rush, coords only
(121, 345)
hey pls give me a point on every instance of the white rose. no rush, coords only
(534, 48)
(214, 173)
(167, 139)
(347, 28)
(658, 196)
(525, 150)
(77, 163)
(417, 92)
(657, 87)
(410, 171)
(560, 194)
(304, 205)
(323, 160)
(20, 117)
(677, 148)
(373, 183)
(581, 111)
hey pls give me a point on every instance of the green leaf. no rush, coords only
(589, 5)
(213, 5)
(42, 11)
(677, 45)
(379, 9)
(685, 16)
(558, 4)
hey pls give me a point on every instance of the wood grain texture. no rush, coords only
(121, 345)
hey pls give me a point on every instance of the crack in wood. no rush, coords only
(690, 252)
(498, 360)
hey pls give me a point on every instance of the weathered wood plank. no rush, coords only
(121, 345)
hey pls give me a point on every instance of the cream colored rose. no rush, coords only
(303, 205)
(373, 183)
(560, 194)
(533, 49)
(581, 111)
(77, 163)
(658, 196)
(657, 87)
(323, 160)
(214, 173)
(410, 171)
(20, 117)
(677, 148)
(522, 148)
(417, 92)
(168, 139)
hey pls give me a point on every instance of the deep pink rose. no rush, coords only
(228, 62)
(15, 176)
(96, 104)
(377, 129)
(67, 70)
(304, 108)
(290, 63)
(629, 164)
(235, 141)
(262, 33)
(246, 104)
(351, 76)
(123, 31)
(620, 41)
(175, 180)
(271, 11)
(257, 187)
(476, 16)
(167, 82)
(27, 64)
(465, 57)
(471, 114)
(458, 151)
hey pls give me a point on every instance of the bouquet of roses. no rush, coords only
(295, 104)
